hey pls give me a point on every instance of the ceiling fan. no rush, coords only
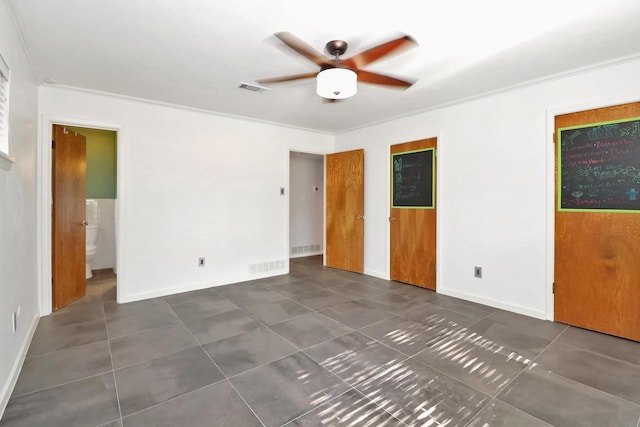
(337, 78)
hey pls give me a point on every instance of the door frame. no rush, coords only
(551, 185)
(43, 205)
(324, 201)
(438, 188)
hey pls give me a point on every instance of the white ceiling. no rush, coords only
(194, 53)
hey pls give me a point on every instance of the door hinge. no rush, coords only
(53, 145)
(553, 288)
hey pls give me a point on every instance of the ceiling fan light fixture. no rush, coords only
(337, 83)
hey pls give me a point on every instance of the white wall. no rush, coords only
(18, 280)
(106, 255)
(306, 205)
(495, 185)
(190, 184)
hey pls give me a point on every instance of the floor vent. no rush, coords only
(265, 267)
(306, 249)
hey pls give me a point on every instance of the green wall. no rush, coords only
(101, 162)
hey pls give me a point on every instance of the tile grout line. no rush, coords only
(334, 375)
(63, 348)
(293, 318)
(197, 344)
(531, 364)
(355, 390)
(313, 409)
(615, 397)
(578, 382)
(299, 350)
(48, 354)
(408, 357)
(225, 378)
(155, 405)
(378, 406)
(61, 384)
(263, 324)
(153, 328)
(65, 382)
(351, 327)
(466, 329)
(245, 402)
(354, 387)
(113, 370)
(597, 353)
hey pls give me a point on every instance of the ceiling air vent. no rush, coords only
(252, 87)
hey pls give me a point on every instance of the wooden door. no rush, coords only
(68, 217)
(597, 252)
(413, 213)
(345, 210)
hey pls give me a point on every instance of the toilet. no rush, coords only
(91, 248)
(92, 214)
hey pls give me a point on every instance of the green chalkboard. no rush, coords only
(599, 167)
(412, 180)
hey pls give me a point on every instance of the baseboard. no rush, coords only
(7, 389)
(378, 274)
(306, 254)
(494, 303)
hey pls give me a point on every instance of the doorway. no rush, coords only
(306, 204)
(83, 214)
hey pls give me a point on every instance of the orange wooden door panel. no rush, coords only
(345, 210)
(413, 233)
(597, 254)
(68, 215)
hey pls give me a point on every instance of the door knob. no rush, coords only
(84, 222)
(359, 216)
(392, 219)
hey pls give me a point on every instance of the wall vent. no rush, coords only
(252, 87)
(305, 249)
(265, 267)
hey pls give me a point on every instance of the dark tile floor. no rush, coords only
(317, 347)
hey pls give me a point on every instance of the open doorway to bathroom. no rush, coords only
(84, 202)
(306, 204)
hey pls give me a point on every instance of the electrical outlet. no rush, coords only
(201, 262)
(477, 272)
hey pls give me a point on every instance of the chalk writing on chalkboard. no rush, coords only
(412, 179)
(599, 167)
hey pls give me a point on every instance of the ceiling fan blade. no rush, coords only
(302, 48)
(288, 78)
(380, 79)
(373, 54)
